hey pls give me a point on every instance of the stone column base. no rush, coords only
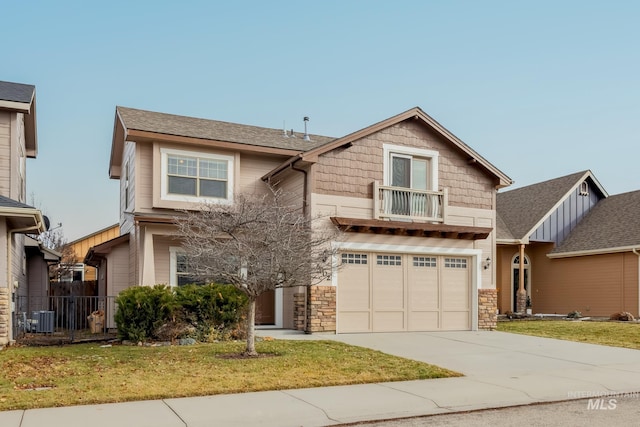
(321, 309)
(5, 312)
(487, 309)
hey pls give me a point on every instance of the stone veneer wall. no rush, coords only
(487, 309)
(5, 312)
(321, 314)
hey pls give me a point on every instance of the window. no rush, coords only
(190, 176)
(410, 167)
(422, 261)
(354, 258)
(455, 263)
(389, 260)
(584, 188)
(126, 184)
(180, 272)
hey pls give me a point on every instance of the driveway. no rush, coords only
(515, 368)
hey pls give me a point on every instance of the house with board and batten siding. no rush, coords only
(570, 246)
(417, 205)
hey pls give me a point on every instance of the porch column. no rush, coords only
(148, 260)
(521, 295)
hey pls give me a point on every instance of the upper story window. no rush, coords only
(192, 176)
(410, 167)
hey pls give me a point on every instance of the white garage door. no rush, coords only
(380, 292)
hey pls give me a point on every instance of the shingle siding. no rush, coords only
(350, 172)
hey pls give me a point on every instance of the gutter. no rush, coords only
(304, 187)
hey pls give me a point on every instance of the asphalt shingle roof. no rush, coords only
(521, 209)
(6, 202)
(16, 92)
(170, 124)
(612, 223)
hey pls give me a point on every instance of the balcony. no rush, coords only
(400, 203)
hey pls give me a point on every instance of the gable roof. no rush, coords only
(613, 225)
(21, 98)
(140, 125)
(412, 114)
(522, 210)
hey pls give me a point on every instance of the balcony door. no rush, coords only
(409, 172)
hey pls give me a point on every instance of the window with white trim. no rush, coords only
(192, 176)
(410, 167)
(179, 271)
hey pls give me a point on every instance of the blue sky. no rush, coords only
(539, 88)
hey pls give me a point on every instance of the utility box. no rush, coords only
(43, 321)
(96, 321)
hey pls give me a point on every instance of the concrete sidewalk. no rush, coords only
(501, 370)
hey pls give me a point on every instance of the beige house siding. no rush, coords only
(350, 172)
(129, 159)
(161, 246)
(291, 183)
(5, 153)
(18, 262)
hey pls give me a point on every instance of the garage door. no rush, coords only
(381, 292)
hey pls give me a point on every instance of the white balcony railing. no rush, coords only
(407, 203)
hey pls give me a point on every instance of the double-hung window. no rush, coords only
(192, 176)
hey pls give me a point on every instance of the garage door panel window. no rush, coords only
(421, 261)
(389, 260)
(455, 263)
(354, 259)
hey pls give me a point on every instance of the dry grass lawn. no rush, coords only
(36, 377)
(615, 334)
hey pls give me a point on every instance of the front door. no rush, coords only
(266, 308)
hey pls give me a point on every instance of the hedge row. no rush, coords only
(201, 312)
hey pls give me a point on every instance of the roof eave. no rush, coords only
(600, 251)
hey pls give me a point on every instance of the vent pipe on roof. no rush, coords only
(306, 135)
(284, 130)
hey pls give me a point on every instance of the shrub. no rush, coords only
(207, 312)
(142, 309)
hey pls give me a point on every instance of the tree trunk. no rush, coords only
(251, 329)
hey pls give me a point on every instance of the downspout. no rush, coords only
(635, 251)
(304, 213)
(304, 187)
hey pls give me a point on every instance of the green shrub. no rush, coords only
(204, 312)
(142, 309)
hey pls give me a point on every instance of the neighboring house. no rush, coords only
(18, 141)
(417, 204)
(575, 247)
(80, 271)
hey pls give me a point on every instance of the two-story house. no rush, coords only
(417, 206)
(18, 141)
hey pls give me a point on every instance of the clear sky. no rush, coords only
(539, 88)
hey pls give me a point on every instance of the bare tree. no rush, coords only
(257, 244)
(54, 239)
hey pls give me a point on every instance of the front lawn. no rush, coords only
(88, 373)
(615, 334)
